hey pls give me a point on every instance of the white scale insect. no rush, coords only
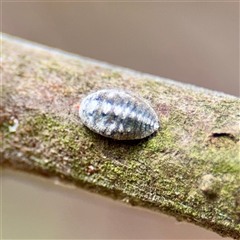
(118, 114)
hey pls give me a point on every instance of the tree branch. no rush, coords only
(190, 169)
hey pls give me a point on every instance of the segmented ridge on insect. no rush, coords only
(118, 114)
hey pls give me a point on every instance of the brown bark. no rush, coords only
(190, 169)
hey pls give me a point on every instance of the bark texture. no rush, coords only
(189, 169)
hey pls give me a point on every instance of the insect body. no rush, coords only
(118, 114)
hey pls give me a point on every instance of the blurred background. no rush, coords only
(191, 42)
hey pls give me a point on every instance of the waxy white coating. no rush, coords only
(118, 114)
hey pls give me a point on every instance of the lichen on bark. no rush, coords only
(189, 169)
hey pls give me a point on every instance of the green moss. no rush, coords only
(116, 75)
(226, 166)
(199, 136)
(135, 167)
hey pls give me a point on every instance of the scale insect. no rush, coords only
(118, 114)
